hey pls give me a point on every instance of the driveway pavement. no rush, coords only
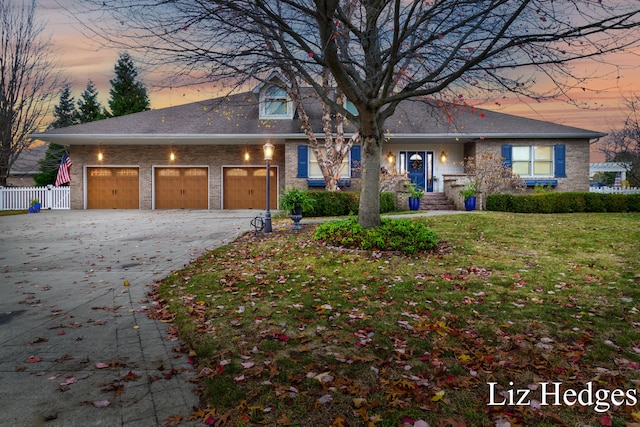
(76, 345)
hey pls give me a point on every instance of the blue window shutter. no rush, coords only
(303, 161)
(506, 155)
(355, 161)
(560, 161)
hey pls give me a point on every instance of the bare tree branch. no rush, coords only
(28, 84)
(379, 52)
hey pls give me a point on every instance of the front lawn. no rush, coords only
(286, 331)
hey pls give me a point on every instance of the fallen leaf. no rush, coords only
(34, 359)
(438, 396)
(173, 420)
(325, 399)
(101, 403)
(605, 420)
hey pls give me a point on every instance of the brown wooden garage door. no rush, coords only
(246, 188)
(113, 188)
(181, 188)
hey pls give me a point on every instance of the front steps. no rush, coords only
(436, 202)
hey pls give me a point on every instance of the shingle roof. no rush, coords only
(27, 162)
(236, 118)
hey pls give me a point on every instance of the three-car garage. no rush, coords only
(178, 187)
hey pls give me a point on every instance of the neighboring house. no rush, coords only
(26, 166)
(208, 155)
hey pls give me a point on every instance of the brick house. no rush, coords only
(208, 155)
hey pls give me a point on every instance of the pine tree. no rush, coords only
(49, 165)
(89, 109)
(127, 95)
(65, 113)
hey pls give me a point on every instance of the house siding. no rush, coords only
(145, 157)
(577, 159)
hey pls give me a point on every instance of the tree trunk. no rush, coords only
(369, 210)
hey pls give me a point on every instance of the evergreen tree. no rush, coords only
(89, 109)
(49, 165)
(65, 113)
(127, 95)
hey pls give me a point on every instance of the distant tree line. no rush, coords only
(127, 95)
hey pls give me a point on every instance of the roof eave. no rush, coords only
(225, 139)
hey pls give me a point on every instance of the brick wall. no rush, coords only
(146, 156)
(577, 159)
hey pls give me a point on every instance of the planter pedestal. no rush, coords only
(296, 222)
(296, 216)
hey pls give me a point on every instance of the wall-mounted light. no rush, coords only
(246, 154)
(443, 157)
(172, 156)
(100, 156)
(391, 158)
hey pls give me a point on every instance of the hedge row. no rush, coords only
(340, 203)
(554, 202)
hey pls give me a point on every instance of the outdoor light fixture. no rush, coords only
(100, 157)
(246, 155)
(268, 151)
(172, 156)
(268, 156)
(391, 158)
(443, 157)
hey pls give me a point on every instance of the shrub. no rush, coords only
(333, 203)
(633, 202)
(564, 202)
(393, 234)
(595, 202)
(341, 203)
(387, 202)
(500, 202)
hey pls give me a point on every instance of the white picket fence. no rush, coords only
(50, 197)
(613, 190)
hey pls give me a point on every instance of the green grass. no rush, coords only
(13, 212)
(296, 333)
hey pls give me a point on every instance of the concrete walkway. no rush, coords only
(76, 345)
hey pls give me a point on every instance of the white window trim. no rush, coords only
(345, 165)
(532, 161)
(263, 104)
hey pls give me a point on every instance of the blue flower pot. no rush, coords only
(470, 203)
(414, 203)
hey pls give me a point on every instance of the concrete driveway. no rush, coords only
(76, 345)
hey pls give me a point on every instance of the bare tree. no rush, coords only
(28, 80)
(391, 50)
(491, 176)
(623, 145)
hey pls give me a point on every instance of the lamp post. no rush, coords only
(268, 156)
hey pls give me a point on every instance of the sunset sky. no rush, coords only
(82, 59)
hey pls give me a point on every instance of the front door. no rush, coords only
(419, 167)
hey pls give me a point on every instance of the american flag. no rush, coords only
(63, 171)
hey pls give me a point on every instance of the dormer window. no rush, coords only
(350, 107)
(276, 104)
